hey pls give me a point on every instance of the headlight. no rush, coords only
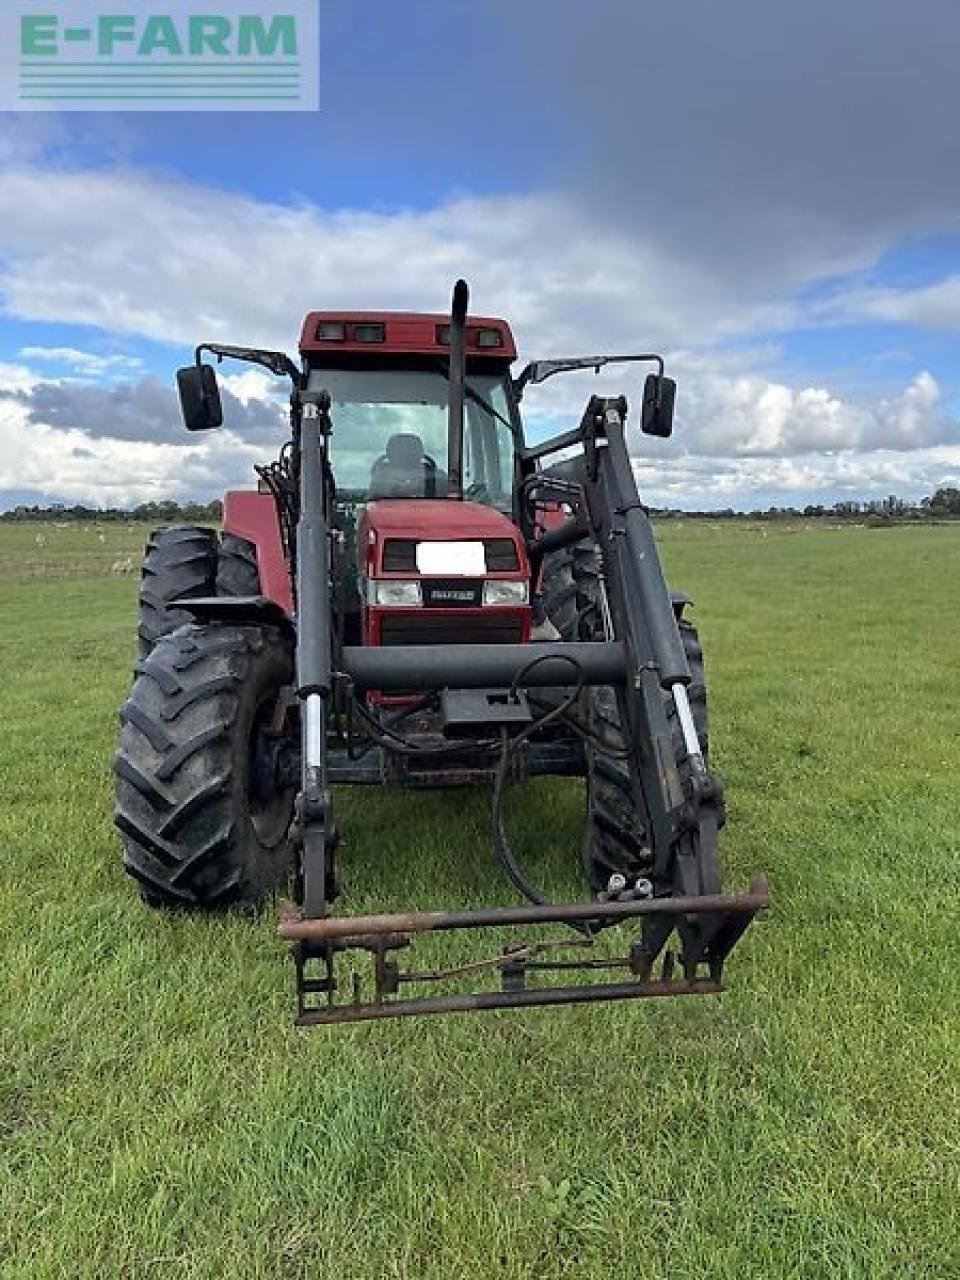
(394, 592)
(504, 592)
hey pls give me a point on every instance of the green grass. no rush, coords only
(160, 1116)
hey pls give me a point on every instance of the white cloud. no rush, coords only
(85, 363)
(744, 483)
(183, 263)
(16, 378)
(931, 306)
(147, 409)
(750, 442)
(254, 385)
(914, 418)
(74, 465)
(744, 413)
(749, 415)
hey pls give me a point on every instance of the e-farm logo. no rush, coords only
(182, 55)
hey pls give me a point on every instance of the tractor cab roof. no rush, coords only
(333, 334)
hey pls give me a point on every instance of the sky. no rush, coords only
(768, 194)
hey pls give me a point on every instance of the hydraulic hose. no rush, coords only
(508, 749)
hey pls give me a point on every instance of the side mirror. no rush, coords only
(657, 419)
(199, 397)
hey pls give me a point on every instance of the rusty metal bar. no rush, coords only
(506, 1000)
(294, 927)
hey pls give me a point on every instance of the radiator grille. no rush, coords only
(501, 555)
(472, 628)
(400, 555)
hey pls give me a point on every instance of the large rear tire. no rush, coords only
(196, 830)
(570, 590)
(237, 572)
(179, 561)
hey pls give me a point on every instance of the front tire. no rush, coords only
(615, 839)
(196, 826)
(615, 836)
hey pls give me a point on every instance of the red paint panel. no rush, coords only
(406, 332)
(437, 520)
(433, 520)
(253, 516)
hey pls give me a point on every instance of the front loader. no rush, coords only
(415, 596)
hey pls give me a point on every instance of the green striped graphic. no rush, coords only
(146, 75)
(232, 80)
(156, 71)
(143, 62)
(198, 96)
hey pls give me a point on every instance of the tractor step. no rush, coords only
(705, 929)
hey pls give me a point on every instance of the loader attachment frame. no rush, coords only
(651, 966)
(686, 926)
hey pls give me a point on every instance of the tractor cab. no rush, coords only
(388, 377)
(425, 498)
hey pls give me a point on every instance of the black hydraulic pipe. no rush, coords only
(659, 615)
(634, 543)
(313, 556)
(458, 358)
(314, 676)
(423, 667)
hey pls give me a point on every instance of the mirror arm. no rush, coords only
(532, 372)
(277, 362)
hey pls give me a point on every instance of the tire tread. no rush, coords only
(181, 767)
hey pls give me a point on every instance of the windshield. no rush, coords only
(390, 435)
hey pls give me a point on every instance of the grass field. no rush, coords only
(160, 1116)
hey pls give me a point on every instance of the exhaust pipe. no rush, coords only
(458, 360)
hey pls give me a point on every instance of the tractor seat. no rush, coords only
(406, 471)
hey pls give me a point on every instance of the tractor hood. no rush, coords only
(390, 529)
(433, 519)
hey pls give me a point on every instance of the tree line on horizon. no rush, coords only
(158, 512)
(944, 502)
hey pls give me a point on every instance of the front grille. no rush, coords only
(501, 555)
(400, 555)
(473, 628)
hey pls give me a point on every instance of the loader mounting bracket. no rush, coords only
(706, 928)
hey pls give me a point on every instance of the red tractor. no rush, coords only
(414, 595)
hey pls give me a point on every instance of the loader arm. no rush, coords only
(641, 657)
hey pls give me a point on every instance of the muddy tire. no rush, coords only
(195, 831)
(179, 561)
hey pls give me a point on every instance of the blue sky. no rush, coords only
(771, 195)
